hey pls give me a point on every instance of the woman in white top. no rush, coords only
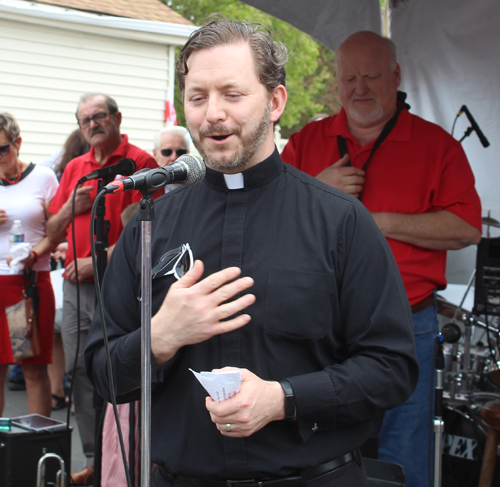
(25, 194)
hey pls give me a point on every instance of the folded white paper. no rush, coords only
(221, 385)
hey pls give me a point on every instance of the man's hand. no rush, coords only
(60, 252)
(3, 217)
(192, 311)
(346, 178)
(83, 200)
(258, 403)
(85, 270)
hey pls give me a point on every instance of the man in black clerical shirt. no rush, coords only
(292, 285)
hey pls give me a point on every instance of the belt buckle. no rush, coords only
(229, 483)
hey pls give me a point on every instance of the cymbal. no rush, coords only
(491, 222)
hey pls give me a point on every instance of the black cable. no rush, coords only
(454, 122)
(105, 337)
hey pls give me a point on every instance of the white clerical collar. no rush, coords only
(234, 181)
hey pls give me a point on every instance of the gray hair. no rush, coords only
(9, 125)
(270, 56)
(174, 130)
(110, 102)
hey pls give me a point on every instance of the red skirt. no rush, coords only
(11, 292)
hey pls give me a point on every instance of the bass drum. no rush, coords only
(463, 442)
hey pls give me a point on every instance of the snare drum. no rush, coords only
(464, 439)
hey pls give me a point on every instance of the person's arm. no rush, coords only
(440, 230)
(57, 224)
(192, 311)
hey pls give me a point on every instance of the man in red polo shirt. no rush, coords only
(99, 120)
(417, 182)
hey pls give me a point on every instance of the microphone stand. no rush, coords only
(467, 133)
(438, 420)
(101, 230)
(146, 216)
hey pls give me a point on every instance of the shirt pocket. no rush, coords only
(299, 304)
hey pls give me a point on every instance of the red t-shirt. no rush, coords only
(419, 168)
(115, 203)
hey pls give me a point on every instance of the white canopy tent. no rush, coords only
(449, 52)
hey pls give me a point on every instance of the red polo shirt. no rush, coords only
(419, 168)
(115, 203)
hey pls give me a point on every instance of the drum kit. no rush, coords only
(471, 378)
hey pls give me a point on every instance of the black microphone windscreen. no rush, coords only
(126, 167)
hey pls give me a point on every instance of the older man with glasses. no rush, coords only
(99, 120)
(170, 143)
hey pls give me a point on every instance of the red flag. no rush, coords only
(170, 116)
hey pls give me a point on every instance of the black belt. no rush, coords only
(292, 481)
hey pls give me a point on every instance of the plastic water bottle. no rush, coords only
(16, 235)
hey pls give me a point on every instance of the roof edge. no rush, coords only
(62, 14)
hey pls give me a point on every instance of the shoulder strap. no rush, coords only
(383, 135)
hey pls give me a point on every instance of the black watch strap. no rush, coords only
(289, 400)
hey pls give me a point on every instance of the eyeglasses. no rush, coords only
(181, 259)
(5, 149)
(168, 152)
(98, 118)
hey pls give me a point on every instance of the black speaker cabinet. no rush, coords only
(20, 451)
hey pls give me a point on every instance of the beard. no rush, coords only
(249, 145)
(367, 118)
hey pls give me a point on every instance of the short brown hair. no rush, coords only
(9, 125)
(270, 56)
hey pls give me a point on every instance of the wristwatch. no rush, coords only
(289, 400)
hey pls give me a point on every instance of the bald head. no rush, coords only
(368, 77)
(367, 40)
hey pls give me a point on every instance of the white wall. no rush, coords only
(46, 66)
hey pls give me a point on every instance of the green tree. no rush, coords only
(311, 79)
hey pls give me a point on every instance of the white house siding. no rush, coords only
(47, 64)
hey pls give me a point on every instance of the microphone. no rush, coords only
(475, 126)
(451, 333)
(126, 167)
(187, 170)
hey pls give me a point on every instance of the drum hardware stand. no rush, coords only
(469, 285)
(60, 476)
(438, 420)
(456, 376)
(451, 334)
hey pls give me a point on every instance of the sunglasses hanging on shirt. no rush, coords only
(177, 262)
